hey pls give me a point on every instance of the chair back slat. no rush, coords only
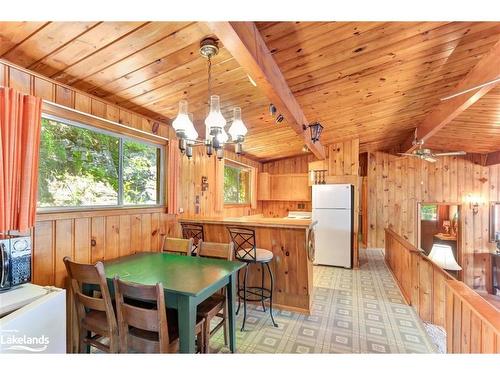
(138, 317)
(216, 250)
(194, 231)
(177, 245)
(138, 291)
(91, 303)
(132, 318)
(85, 273)
(244, 243)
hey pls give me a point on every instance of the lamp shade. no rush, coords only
(191, 133)
(237, 130)
(182, 121)
(442, 255)
(214, 118)
(316, 130)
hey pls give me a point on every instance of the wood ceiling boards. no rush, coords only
(372, 80)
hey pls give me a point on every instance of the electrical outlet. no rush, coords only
(301, 206)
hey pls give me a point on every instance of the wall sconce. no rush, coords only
(474, 202)
(316, 130)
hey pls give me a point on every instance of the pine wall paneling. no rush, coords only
(209, 203)
(396, 185)
(88, 235)
(471, 323)
(297, 164)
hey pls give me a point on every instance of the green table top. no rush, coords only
(179, 274)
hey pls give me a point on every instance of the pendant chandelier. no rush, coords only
(215, 135)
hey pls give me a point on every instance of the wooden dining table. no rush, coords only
(187, 281)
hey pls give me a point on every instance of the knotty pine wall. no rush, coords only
(396, 184)
(297, 164)
(210, 201)
(88, 236)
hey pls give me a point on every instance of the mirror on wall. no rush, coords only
(495, 223)
(439, 225)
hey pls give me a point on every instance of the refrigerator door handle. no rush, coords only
(5, 265)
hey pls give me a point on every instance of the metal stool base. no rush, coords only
(261, 294)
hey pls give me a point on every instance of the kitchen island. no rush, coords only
(288, 239)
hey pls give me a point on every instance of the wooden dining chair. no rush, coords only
(95, 315)
(177, 245)
(215, 305)
(151, 329)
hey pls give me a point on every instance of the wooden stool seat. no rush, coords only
(261, 255)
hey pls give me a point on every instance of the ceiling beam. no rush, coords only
(245, 44)
(493, 158)
(487, 69)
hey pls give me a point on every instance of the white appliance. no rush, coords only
(299, 215)
(332, 210)
(33, 320)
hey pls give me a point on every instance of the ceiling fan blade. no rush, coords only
(453, 153)
(430, 159)
(404, 154)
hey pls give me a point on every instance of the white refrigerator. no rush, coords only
(332, 210)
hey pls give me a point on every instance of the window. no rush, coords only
(82, 166)
(236, 185)
(428, 212)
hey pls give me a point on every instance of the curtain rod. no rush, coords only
(159, 137)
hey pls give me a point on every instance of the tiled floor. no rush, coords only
(359, 311)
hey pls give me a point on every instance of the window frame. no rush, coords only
(121, 139)
(240, 167)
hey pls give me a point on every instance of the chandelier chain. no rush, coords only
(209, 78)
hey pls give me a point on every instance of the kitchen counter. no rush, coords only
(288, 239)
(254, 220)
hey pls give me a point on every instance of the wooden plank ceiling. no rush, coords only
(371, 80)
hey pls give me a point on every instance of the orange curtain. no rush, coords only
(173, 178)
(20, 123)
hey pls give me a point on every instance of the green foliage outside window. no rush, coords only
(236, 185)
(81, 167)
(428, 212)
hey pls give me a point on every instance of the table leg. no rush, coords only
(187, 320)
(231, 316)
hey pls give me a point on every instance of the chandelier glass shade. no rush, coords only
(237, 130)
(216, 136)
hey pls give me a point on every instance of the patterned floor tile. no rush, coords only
(353, 311)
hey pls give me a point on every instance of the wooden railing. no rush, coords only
(472, 325)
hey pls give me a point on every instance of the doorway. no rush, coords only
(440, 224)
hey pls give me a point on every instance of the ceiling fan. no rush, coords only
(427, 154)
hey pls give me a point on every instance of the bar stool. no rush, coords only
(194, 231)
(246, 251)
